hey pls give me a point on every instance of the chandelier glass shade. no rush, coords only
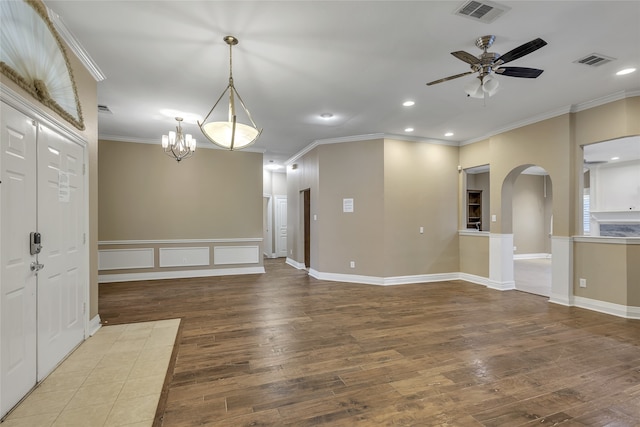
(230, 134)
(177, 144)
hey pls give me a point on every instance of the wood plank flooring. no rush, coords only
(284, 349)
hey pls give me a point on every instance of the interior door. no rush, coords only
(17, 282)
(306, 215)
(60, 223)
(281, 226)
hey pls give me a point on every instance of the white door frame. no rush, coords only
(279, 223)
(268, 233)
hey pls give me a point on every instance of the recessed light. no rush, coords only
(615, 158)
(625, 71)
(326, 115)
(408, 130)
(408, 103)
(448, 134)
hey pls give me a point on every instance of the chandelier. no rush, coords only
(178, 145)
(230, 134)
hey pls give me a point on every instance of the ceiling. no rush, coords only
(356, 60)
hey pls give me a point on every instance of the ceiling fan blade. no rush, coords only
(527, 73)
(449, 78)
(521, 51)
(466, 57)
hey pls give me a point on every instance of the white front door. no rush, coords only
(17, 281)
(60, 223)
(281, 226)
(41, 189)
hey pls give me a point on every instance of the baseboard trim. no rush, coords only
(561, 300)
(619, 310)
(94, 325)
(159, 275)
(501, 286)
(478, 280)
(532, 256)
(627, 312)
(384, 281)
(295, 264)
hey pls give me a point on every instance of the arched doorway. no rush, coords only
(527, 224)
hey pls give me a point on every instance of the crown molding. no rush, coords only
(574, 108)
(75, 46)
(365, 137)
(617, 96)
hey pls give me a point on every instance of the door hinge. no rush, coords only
(84, 307)
(84, 169)
(84, 238)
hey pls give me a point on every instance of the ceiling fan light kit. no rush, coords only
(488, 64)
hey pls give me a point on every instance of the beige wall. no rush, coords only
(146, 195)
(633, 275)
(546, 144)
(474, 254)
(531, 214)
(609, 121)
(397, 187)
(476, 154)
(352, 170)
(604, 266)
(420, 190)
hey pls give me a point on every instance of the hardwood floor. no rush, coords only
(283, 349)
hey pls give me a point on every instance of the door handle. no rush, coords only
(35, 266)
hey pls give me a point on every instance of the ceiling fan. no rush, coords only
(487, 64)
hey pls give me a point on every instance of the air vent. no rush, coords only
(485, 11)
(594, 60)
(104, 109)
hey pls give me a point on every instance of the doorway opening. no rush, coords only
(306, 207)
(532, 225)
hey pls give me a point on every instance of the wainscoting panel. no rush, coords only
(184, 257)
(118, 259)
(133, 260)
(224, 255)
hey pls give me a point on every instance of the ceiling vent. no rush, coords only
(483, 11)
(594, 60)
(104, 109)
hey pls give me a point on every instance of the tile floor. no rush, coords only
(113, 379)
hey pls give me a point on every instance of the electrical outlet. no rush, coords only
(583, 283)
(515, 248)
(352, 264)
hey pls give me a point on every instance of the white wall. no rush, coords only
(615, 186)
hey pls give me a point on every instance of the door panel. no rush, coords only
(281, 226)
(60, 294)
(17, 281)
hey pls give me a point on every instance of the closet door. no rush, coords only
(18, 328)
(60, 219)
